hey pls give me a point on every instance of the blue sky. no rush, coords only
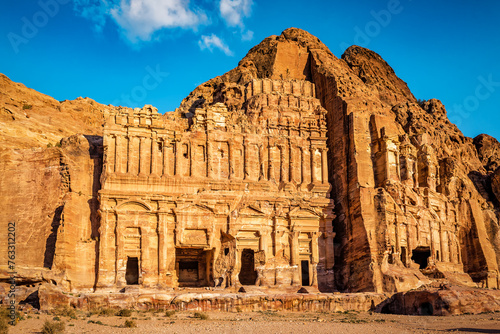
(136, 52)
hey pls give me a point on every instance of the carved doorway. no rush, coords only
(421, 256)
(247, 275)
(193, 267)
(188, 271)
(132, 273)
(304, 268)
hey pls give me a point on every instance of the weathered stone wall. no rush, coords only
(51, 195)
(187, 187)
(246, 176)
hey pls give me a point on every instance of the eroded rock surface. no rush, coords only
(446, 300)
(246, 163)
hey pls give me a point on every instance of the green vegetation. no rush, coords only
(103, 311)
(124, 313)
(130, 324)
(53, 327)
(200, 315)
(4, 326)
(169, 313)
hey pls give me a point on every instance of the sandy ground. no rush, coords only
(266, 322)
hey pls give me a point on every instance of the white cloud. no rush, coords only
(94, 10)
(247, 36)
(139, 19)
(211, 42)
(233, 11)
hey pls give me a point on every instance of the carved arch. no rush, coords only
(134, 205)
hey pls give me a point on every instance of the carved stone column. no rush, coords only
(303, 168)
(235, 280)
(154, 155)
(324, 164)
(118, 156)
(283, 164)
(264, 243)
(148, 143)
(261, 163)
(191, 159)
(270, 161)
(315, 257)
(165, 171)
(146, 261)
(111, 153)
(313, 174)
(294, 256)
(120, 264)
(177, 154)
(292, 165)
(107, 267)
(278, 246)
(130, 159)
(162, 247)
(314, 247)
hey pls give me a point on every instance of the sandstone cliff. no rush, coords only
(415, 199)
(49, 181)
(406, 181)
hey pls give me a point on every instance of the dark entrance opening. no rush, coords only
(403, 255)
(421, 256)
(247, 275)
(426, 309)
(132, 273)
(188, 271)
(193, 267)
(304, 267)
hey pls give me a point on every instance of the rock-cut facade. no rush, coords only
(210, 201)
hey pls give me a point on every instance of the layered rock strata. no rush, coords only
(296, 168)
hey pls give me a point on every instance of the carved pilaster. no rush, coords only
(292, 171)
(130, 154)
(303, 166)
(314, 179)
(111, 154)
(154, 155)
(270, 162)
(294, 256)
(177, 154)
(162, 246)
(324, 164)
(314, 247)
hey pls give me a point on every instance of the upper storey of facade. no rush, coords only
(276, 142)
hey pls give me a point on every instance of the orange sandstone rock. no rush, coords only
(295, 169)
